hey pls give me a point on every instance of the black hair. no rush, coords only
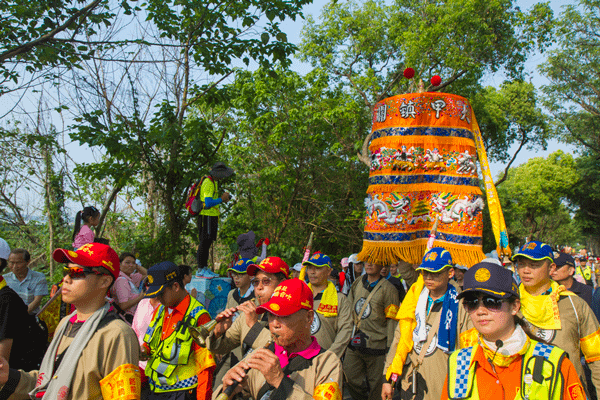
(184, 270)
(280, 276)
(85, 215)
(124, 255)
(179, 280)
(25, 253)
(3, 264)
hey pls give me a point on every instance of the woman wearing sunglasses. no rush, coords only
(506, 362)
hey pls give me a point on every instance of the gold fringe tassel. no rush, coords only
(386, 253)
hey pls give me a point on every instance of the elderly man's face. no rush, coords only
(264, 285)
(17, 264)
(292, 329)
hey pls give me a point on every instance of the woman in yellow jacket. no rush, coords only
(503, 360)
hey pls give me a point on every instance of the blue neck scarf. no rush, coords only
(448, 321)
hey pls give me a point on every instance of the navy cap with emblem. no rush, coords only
(564, 259)
(159, 275)
(489, 278)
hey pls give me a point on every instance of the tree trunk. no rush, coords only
(49, 201)
(109, 201)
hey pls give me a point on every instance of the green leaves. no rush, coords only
(264, 38)
(292, 146)
(367, 44)
(535, 195)
(573, 70)
(510, 115)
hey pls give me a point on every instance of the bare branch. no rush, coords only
(24, 48)
(523, 141)
(364, 154)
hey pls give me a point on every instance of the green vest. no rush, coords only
(540, 373)
(209, 188)
(170, 367)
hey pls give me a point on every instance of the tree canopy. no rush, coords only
(365, 46)
(160, 90)
(534, 199)
(573, 68)
(292, 144)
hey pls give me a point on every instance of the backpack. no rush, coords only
(193, 204)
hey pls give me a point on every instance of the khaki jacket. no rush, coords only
(114, 345)
(378, 319)
(317, 378)
(435, 361)
(333, 333)
(240, 333)
(579, 333)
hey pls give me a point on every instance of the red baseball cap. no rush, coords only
(290, 296)
(91, 255)
(271, 265)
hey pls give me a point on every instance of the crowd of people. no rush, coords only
(526, 329)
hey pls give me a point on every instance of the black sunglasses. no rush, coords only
(472, 303)
(80, 272)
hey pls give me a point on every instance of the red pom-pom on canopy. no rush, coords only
(409, 73)
(436, 80)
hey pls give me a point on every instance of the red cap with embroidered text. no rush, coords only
(290, 296)
(91, 255)
(271, 265)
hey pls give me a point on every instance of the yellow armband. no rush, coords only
(590, 346)
(391, 311)
(327, 391)
(122, 384)
(204, 359)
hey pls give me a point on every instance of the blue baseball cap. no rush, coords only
(318, 260)
(436, 260)
(241, 266)
(536, 251)
(489, 278)
(159, 275)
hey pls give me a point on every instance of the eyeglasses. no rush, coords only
(80, 272)
(472, 303)
(265, 281)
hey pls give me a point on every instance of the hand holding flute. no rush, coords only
(263, 360)
(225, 320)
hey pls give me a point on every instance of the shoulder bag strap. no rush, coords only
(357, 318)
(435, 326)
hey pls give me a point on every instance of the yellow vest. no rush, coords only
(170, 367)
(540, 373)
(209, 188)
(587, 272)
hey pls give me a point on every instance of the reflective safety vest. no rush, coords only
(586, 272)
(170, 367)
(540, 373)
